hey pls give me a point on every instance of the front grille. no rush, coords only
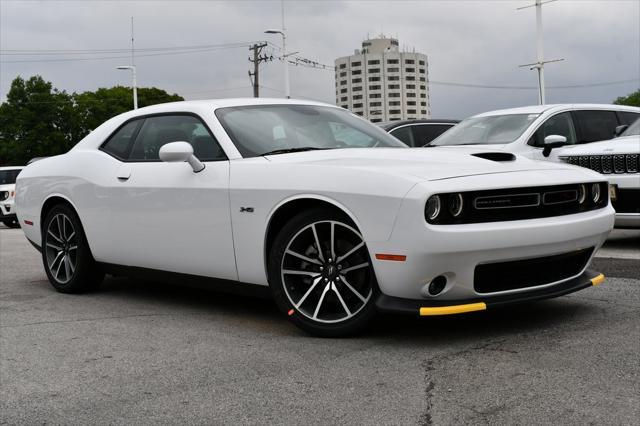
(607, 164)
(627, 201)
(4, 195)
(519, 274)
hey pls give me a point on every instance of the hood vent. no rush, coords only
(496, 156)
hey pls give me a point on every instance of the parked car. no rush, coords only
(534, 131)
(293, 197)
(618, 160)
(8, 177)
(417, 132)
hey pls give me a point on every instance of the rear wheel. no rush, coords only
(65, 252)
(321, 275)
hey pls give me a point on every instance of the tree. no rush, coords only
(632, 99)
(37, 120)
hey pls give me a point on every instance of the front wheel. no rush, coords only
(65, 253)
(321, 276)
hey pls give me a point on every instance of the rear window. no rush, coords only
(627, 118)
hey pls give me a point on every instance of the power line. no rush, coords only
(572, 86)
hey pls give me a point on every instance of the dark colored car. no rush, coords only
(417, 132)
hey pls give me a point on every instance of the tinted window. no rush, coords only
(427, 132)
(8, 177)
(493, 129)
(120, 142)
(404, 134)
(627, 117)
(158, 131)
(596, 125)
(560, 124)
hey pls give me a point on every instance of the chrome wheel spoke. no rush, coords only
(54, 236)
(61, 235)
(344, 305)
(350, 252)
(57, 274)
(333, 240)
(74, 247)
(55, 259)
(67, 267)
(353, 268)
(317, 241)
(308, 273)
(324, 293)
(303, 298)
(53, 246)
(73, 233)
(353, 290)
(303, 257)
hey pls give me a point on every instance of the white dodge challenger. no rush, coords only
(331, 214)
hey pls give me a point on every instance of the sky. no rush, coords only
(472, 42)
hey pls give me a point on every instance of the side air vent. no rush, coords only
(496, 156)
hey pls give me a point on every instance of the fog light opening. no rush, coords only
(437, 285)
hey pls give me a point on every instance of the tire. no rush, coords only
(323, 295)
(66, 257)
(11, 223)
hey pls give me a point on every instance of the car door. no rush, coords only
(164, 215)
(560, 124)
(595, 125)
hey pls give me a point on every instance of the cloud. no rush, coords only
(478, 42)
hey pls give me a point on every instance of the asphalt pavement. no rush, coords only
(147, 353)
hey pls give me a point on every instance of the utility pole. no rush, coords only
(257, 59)
(539, 65)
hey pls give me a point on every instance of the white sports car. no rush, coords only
(337, 218)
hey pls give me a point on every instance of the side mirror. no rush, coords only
(179, 152)
(553, 141)
(620, 129)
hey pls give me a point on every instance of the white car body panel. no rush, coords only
(167, 217)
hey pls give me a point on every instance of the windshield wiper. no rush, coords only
(288, 150)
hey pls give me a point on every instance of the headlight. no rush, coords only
(595, 192)
(582, 193)
(432, 209)
(456, 203)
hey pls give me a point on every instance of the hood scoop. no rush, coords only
(496, 156)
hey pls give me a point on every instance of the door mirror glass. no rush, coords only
(553, 141)
(620, 129)
(179, 152)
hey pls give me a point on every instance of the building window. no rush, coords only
(343, 90)
(345, 106)
(392, 61)
(376, 120)
(343, 66)
(394, 103)
(411, 95)
(359, 113)
(410, 78)
(394, 95)
(375, 87)
(423, 79)
(411, 103)
(343, 74)
(356, 64)
(343, 83)
(420, 62)
(373, 62)
(356, 80)
(411, 86)
(421, 70)
(357, 89)
(423, 104)
(423, 95)
(394, 69)
(375, 95)
(374, 78)
(356, 97)
(410, 70)
(374, 104)
(393, 86)
(374, 70)
(423, 112)
(423, 87)
(393, 78)
(357, 105)
(356, 72)
(394, 111)
(344, 99)
(409, 61)
(411, 111)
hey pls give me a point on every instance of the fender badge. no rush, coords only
(246, 209)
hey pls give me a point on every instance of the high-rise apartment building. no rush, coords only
(382, 83)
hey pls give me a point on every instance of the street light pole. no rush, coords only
(135, 88)
(285, 56)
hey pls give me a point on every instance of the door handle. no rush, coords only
(124, 173)
(123, 178)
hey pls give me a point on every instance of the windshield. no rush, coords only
(8, 176)
(495, 129)
(632, 130)
(259, 129)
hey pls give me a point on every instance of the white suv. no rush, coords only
(8, 177)
(618, 160)
(535, 130)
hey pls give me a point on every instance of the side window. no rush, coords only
(627, 118)
(428, 132)
(160, 130)
(596, 125)
(560, 124)
(119, 143)
(404, 134)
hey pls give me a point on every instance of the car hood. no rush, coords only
(622, 145)
(421, 163)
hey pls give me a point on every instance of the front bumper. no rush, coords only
(7, 209)
(442, 307)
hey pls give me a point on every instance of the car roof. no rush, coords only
(12, 168)
(390, 125)
(539, 109)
